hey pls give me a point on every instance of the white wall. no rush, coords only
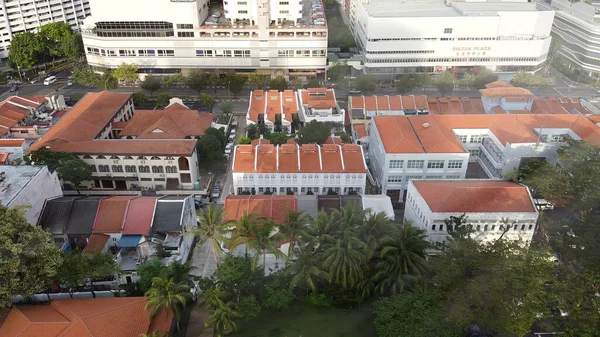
(316, 181)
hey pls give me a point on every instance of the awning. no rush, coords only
(129, 241)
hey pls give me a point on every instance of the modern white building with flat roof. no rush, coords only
(278, 37)
(577, 24)
(493, 208)
(417, 36)
(28, 185)
(17, 16)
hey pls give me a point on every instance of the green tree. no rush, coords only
(222, 319)
(261, 240)
(375, 227)
(167, 296)
(483, 77)
(208, 101)
(209, 148)
(245, 226)
(445, 83)
(244, 140)
(86, 76)
(405, 84)
(139, 98)
(237, 276)
(163, 100)
(306, 271)
(577, 295)
(75, 171)
(212, 229)
(197, 81)
(278, 298)
(313, 132)
(294, 228)
(179, 272)
(235, 82)
(151, 83)
(248, 307)
(147, 272)
(402, 259)
(312, 83)
(337, 71)
(174, 80)
(257, 80)
(72, 46)
(499, 285)
(412, 315)
(43, 156)
(26, 49)
(366, 83)
(77, 268)
(523, 79)
(30, 258)
(279, 83)
(53, 35)
(226, 108)
(344, 259)
(252, 131)
(107, 81)
(424, 79)
(127, 72)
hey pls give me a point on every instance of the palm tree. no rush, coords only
(244, 227)
(166, 295)
(375, 226)
(179, 272)
(403, 259)
(262, 240)
(305, 270)
(295, 227)
(222, 319)
(322, 228)
(349, 216)
(212, 298)
(207, 100)
(211, 229)
(344, 259)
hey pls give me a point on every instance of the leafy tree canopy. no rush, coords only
(151, 83)
(126, 72)
(26, 49)
(366, 83)
(209, 148)
(279, 83)
(74, 170)
(139, 98)
(163, 100)
(77, 267)
(445, 83)
(314, 132)
(235, 82)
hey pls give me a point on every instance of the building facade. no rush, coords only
(162, 36)
(433, 36)
(577, 25)
(299, 169)
(28, 185)
(17, 16)
(493, 209)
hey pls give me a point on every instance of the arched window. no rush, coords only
(130, 168)
(128, 157)
(141, 158)
(144, 169)
(171, 169)
(101, 157)
(93, 168)
(117, 168)
(87, 157)
(103, 168)
(157, 169)
(114, 157)
(183, 163)
(170, 158)
(155, 158)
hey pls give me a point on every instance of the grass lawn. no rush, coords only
(305, 320)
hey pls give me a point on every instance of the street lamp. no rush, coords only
(228, 91)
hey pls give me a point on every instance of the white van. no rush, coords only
(50, 80)
(543, 204)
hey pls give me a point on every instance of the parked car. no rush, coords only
(14, 88)
(216, 192)
(543, 204)
(69, 83)
(354, 92)
(34, 81)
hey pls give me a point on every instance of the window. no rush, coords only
(281, 189)
(126, 52)
(478, 138)
(130, 168)
(144, 169)
(165, 52)
(242, 3)
(261, 190)
(146, 52)
(493, 227)
(447, 30)
(452, 177)
(171, 169)
(530, 227)
(157, 169)
(117, 168)
(284, 12)
(409, 178)
(185, 34)
(432, 227)
(395, 164)
(478, 227)
(241, 53)
(557, 139)
(204, 53)
(101, 157)
(394, 179)
(463, 138)
(475, 153)
(185, 26)
(93, 168)
(455, 164)
(433, 177)
(284, 3)
(522, 227)
(441, 228)
(415, 164)
(243, 12)
(435, 164)
(103, 168)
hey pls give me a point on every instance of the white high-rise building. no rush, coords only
(416, 36)
(167, 36)
(18, 16)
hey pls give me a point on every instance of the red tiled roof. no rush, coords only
(258, 105)
(174, 122)
(360, 129)
(397, 135)
(356, 102)
(475, 196)
(165, 147)
(111, 214)
(4, 157)
(91, 114)
(319, 98)
(139, 216)
(503, 92)
(96, 243)
(92, 317)
(11, 142)
(273, 207)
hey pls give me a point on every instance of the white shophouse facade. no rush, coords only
(433, 36)
(488, 225)
(172, 36)
(17, 16)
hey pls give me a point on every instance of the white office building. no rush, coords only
(493, 208)
(577, 24)
(18, 16)
(166, 36)
(433, 36)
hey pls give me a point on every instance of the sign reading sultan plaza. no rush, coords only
(471, 51)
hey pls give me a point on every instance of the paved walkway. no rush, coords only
(196, 324)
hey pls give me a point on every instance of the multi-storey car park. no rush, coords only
(167, 36)
(18, 16)
(433, 36)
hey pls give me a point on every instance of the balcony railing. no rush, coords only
(488, 167)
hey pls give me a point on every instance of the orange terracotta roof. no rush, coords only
(360, 129)
(421, 102)
(267, 158)
(472, 105)
(395, 103)
(139, 216)
(120, 125)
(572, 103)
(273, 207)
(92, 317)
(547, 105)
(408, 102)
(371, 103)
(397, 135)
(435, 138)
(4, 157)
(111, 214)
(356, 102)
(258, 105)
(319, 98)
(475, 196)
(174, 122)
(503, 92)
(498, 84)
(11, 142)
(83, 123)
(383, 102)
(96, 243)
(334, 140)
(594, 118)
(290, 104)
(434, 107)
(158, 147)
(498, 110)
